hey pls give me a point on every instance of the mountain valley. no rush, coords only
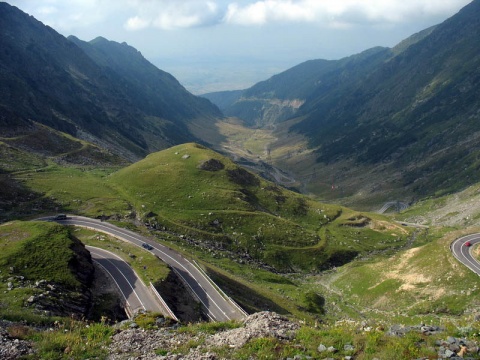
(400, 115)
(272, 192)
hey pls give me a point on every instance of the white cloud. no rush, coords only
(171, 14)
(334, 12)
(177, 14)
(136, 23)
(262, 12)
(65, 15)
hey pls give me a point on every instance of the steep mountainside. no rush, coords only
(102, 92)
(383, 124)
(299, 90)
(280, 97)
(419, 107)
(155, 91)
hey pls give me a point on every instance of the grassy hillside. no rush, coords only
(31, 148)
(242, 227)
(36, 253)
(423, 283)
(264, 245)
(195, 191)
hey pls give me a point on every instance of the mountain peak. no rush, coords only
(99, 39)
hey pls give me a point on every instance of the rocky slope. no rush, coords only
(461, 209)
(141, 344)
(168, 344)
(258, 331)
(11, 347)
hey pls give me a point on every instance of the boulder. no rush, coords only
(321, 348)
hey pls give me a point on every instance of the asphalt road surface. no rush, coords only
(136, 294)
(464, 253)
(217, 306)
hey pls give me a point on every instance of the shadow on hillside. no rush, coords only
(250, 300)
(179, 299)
(17, 201)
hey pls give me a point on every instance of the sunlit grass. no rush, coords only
(73, 340)
(34, 251)
(145, 264)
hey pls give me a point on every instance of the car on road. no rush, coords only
(60, 217)
(468, 243)
(147, 246)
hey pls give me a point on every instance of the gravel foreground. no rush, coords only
(142, 344)
(131, 342)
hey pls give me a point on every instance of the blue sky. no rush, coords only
(224, 44)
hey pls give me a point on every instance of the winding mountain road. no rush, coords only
(217, 306)
(136, 294)
(464, 254)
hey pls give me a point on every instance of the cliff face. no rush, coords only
(55, 300)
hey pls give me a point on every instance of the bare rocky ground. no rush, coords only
(145, 344)
(11, 347)
(166, 344)
(170, 344)
(460, 209)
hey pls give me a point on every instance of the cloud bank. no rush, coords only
(169, 14)
(183, 14)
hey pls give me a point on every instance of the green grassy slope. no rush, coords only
(424, 282)
(192, 190)
(36, 251)
(241, 226)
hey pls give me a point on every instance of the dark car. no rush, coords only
(468, 243)
(60, 217)
(147, 246)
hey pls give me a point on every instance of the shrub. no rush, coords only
(314, 302)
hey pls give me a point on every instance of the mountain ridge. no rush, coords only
(297, 84)
(75, 87)
(428, 87)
